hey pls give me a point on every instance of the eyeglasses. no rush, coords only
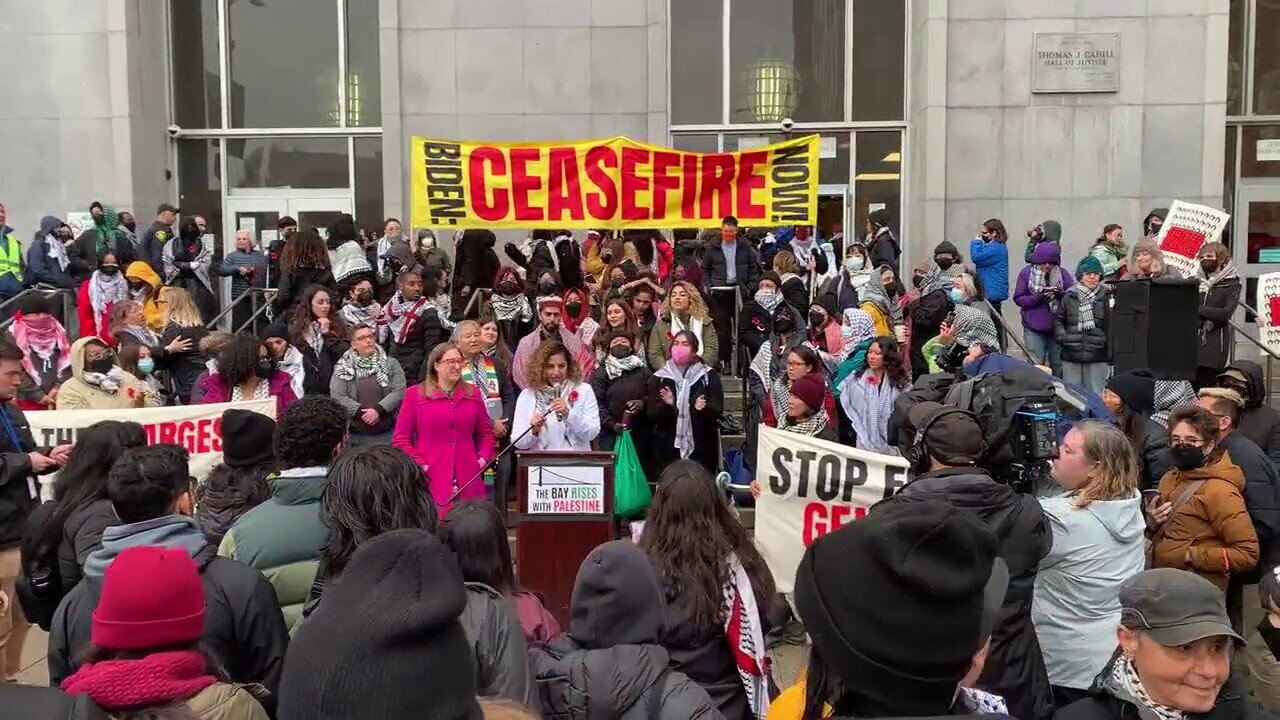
(450, 361)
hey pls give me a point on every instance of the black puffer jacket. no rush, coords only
(715, 268)
(1152, 444)
(612, 396)
(318, 366)
(427, 332)
(502, 658)
(1259, 421)
(609, 664)
(1261, 495)
(1081, 346)
(1216, 309)
(81, 535)
(1015, 667)
(705, 656)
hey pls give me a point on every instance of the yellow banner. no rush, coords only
(613, 183)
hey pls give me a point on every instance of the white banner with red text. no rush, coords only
(809, 487)
(198, 428)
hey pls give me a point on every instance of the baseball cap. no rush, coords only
(166, 207)
(1174, 607)
(955, 438)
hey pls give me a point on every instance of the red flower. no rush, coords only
(132, 393)
(573, 396)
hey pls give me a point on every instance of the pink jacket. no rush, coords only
(450, 437)
(212, 389)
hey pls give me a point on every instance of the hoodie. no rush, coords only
(46, 267)
(1161, 213)
(1258, 421)
(1052, 230)
(139, 271)
(78, 394)
(1076, 607)
(1037, 310)
(1211, 535)
(609, 664)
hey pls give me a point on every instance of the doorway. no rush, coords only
(1255, 235)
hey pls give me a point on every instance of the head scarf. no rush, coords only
(105, 290)
(45, 338)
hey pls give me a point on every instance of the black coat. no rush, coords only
(1232, 704)
(715, 271)
(16, 481)
(43, 703)
(318, 367)
(1015, 667)
(293, 283)
(184, 368)
(152, 245)
(706, 422)
(884, 250)
(704, 654)
(1152, 444)
(81, 535)
(1216, 309)
(796, 294)
(1259, 421)
(570, 258)
(612, 396)
(85, 247)
(425, 334)
(1261, 495)
(755, 326)
(475, 264)
(927, 314)
(1081, 346)
(243, 627)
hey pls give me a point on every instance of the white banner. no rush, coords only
(809, 487)
(198, 428)
(1268, 300)
(1187, 228)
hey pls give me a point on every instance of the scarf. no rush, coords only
(868, 401)
(483, 373)
(353, 366)
(980, 702)
(142, 334)
(157, 679)
(1086, 297)
(444, 309)
(770, 362)
(130, 235)
(261, 391)
(788, 277)
(543, 397)
(857, 326)
(614, 368)
(746, 637)
(355, 315)
(810, 427)
(382, 251)
(1226, 272)
(873, 292)
(939, 279)
(693, 325)
(511, 307)
(684, 380)
(57, 251)
(768, 300)
(400, 316)
(46, 339)
(803, 250)
(314, 338)
(1124, 676)
(108, 382)
(105, 290)
(1040, 281)
(291, 364)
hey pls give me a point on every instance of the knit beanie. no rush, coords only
(151, 597)
(33, 303)
(772, 277)
(894, 602)
(277, 329)
(385, 641)
(1088, 264)
(246, 438)
(827, 302)
(810, 389)
(946, 247)
(1137, 389)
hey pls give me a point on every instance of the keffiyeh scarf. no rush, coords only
(684, 381)
(693, 325)
(353, 366)
(142, 334)
(768, 300)
(1086, 297)
(980, 702)
(810, 427)
(803, 250)
(57, 251)
(106, 289)
(746, 637)
(261, 391)
(355, 315)
(1125, 677)
(543, 397)
(108, 382)
(314, 338)
(400, 316)
(291, 364)
(939, 279)
(873, 292)
(614, 368)
(511, 307)
(856, 327)
(46, 340)
(1226, 272)
(1039, 281)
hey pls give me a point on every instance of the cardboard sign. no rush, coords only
(1187, 228)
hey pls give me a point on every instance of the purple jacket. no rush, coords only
(450, 437)
(213, 389)
(1037, 314)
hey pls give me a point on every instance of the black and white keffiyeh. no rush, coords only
(354, 366)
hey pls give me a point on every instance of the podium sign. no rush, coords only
(566, 510)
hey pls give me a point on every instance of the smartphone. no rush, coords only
(1148, 496)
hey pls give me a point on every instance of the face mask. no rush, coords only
(917, 281)
(817, 319)
(132, 225)
(784, 324)
(100, 365)
(957, 296)
(265, 368)
(1186, 457)
(573, 308)
(606, 257)
(846, 332)
(507, 287)
(620, 351)
(1208, 266)
(146, 366)
(727, 235)
(944, 261)
(364, 297)
(681, 354)
(615, 283)
(854, 264)
(765, 297)
(136, 286)
(428, 242)
(110, 269)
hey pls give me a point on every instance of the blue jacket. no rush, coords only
(992, 261)
(996, 362)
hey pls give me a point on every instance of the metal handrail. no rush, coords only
(1005, 324)
(65, 294)
(1253, 340)
(254, 317)
(230, 306)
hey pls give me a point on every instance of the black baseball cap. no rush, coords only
(1174, 607)
(166, 207)
(955, 438)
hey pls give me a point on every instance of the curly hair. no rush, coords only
(302, 318)
(894, 371)
(785, 262)
(697, 306)
(689, 534)
(238, 360)
(1201, 421)
(547, 350)
(304, 249)
(371, 490)
(311, 429)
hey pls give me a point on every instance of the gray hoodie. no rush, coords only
(171, 531)
(1076, 607)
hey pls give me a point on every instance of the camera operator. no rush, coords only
(945, 455)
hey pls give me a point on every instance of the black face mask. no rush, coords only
(784, 324)
(620, 351)
(1186, 457)
(265, 368)
(109, 269)
(615, 283)
(917, 281)
(573, 308)
(944, 261)
(1208, 266)
(817, 319)
(606, 258)
(133, 226)
(364, 297)
(100, 365)
(507, 287)
(136, 286)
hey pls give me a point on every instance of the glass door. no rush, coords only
(1256, 234)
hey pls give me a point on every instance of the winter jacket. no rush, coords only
(1076, 607)
(47, 703)
(81, 536)
(884, 250)
(225, 701)
(1114, 259)
(706, 657)
(992, 262)
(1216, 309)
(1259, 421)
(502, 659)
(283, 537)
(185, 368)
(76, 394)
(293, 283)
(230, 267)
(1015, 667)
(1261, 654)
(1213, 526)
(152, 246)
(1107, 701)
(755, 326)
(1080, 345)
(567, 263)
(612, 396)
(706, 422)
(715, 272)
(141, 272)
(659, 345)
(98, 326)
(794, 292)
(213, 389)
(927, 314)
(425, 333)
(1152, 443)
(609, 664)
(1052, 234)
(16, 500)
(450, 436)
(1261, 493)
(42, 268)
(475, 263)
(243, 628)
(349, 393)
(318, 366)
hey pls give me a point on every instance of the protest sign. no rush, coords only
(198, 428)
(1185, 230)
(809, 487)
(613, 183)
(1269, 310)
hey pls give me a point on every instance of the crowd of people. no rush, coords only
(371, 533)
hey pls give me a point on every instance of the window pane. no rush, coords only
(288, 162)
(364, 81)
(696, 61)
(1258, 150)
(369, 203)
(1264, 231)
(199, 183)
(284, 63)
(196, 79)
(878, 182)
(879, 78)
(786, 59)
(696, 143)
(1266, 60)
(1235, 57)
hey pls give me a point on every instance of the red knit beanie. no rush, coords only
(151, 597)
(811, 390)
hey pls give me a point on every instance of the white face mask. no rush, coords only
(854, 263)
(764, 297)
(428, 242)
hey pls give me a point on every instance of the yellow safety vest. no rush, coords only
(11, 257)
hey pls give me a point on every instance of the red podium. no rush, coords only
(566, 510)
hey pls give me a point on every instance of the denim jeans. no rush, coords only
(1093, 376)
(1044, 350)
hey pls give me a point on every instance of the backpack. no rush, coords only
(735, 464)
(996, 398)
(39, 583)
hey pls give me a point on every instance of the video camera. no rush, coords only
(1033, 444)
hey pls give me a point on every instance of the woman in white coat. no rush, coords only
(557, 410)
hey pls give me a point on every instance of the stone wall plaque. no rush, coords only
(1075, 63)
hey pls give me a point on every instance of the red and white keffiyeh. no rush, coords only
(746, 638)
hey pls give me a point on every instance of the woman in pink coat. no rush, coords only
(444, 426)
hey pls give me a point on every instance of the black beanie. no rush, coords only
(385, 641)
(772, 277)
(946, 246)
(246, 438)
(1137, 389)
(33, 303)
(277, 329)
(828, 302)
(894, 602)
